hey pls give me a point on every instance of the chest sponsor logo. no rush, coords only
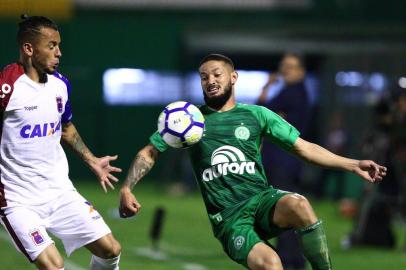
(40, 130)
(228, 159)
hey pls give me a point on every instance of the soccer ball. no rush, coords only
(181, 124)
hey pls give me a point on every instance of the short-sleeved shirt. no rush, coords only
(227, 160)
(33, 165)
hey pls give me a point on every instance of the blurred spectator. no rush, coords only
(399, 141)
(283, 170)
(372, 225)
(337, 141)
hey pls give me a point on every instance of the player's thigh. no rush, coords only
(263, 257)
(76, 222)
(27, 231)
(238, 237)
(105, 247)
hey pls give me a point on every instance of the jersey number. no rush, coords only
(5, 89)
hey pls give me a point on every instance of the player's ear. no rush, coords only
(28, 49)
(234, 77)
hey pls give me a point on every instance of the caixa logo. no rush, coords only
(228, 159)
(40, 130)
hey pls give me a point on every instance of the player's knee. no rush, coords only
(262, 257)
(106, 247)
(295, 211)
(272, 263)
(116, 249)
(268, 263)
(50, 263)
(303, 211)
(113, 250)
(49, 258)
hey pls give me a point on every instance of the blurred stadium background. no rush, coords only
(126, 59)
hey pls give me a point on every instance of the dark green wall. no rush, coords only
(93, 41)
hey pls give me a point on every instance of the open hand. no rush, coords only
(102, 168)
(370, 171)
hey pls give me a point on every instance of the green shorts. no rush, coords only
(248, 225)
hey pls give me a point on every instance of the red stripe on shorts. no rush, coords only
(15, 238)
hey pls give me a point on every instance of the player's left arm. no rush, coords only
(314, 153)
(100, 166)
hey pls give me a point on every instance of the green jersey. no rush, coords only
(227, 160)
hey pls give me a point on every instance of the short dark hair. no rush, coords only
(217, 57)
(30, 26)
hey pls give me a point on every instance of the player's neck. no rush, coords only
(230, 104)
(33, 73)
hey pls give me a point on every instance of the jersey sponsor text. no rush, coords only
(228, 159)
(39, 130)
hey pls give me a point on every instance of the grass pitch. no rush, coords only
(187, 242)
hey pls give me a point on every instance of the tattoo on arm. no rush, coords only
(72, 138)
(79, 146)
(139, 168)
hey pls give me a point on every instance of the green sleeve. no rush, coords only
(276, 128)
(157, 141)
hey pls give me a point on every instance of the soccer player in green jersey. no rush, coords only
(244, 210)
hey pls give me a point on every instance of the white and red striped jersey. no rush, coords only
(33, 165)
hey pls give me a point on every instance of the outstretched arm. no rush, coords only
(100, 166)
(141, 165)
(313, 153)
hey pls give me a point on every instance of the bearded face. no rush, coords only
(217, 80)
(218, 101)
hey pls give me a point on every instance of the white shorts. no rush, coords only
(70, 217)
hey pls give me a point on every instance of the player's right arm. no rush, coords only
(141, 165)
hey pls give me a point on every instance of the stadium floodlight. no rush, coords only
(402, 82)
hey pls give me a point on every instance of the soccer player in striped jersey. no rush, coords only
(244, 210)
(36, 194)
